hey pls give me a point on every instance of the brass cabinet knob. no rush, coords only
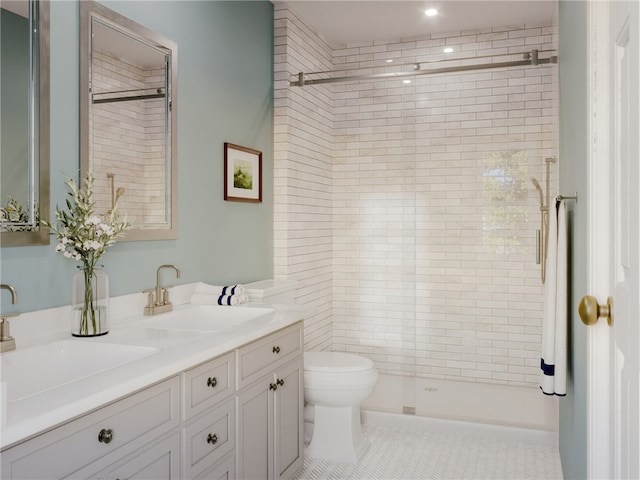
(212, 382)
(276, 349)
(212, 438)
(590, 310)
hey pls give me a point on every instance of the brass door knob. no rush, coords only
(590, 310)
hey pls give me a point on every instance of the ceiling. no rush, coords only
(340, 22)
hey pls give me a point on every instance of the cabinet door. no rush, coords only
(95, 441)
(160, 462)
(254, 410)
(289, 404)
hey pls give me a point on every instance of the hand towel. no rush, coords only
(553, 362)
(227, 300)
(233, 300)
(203, 288)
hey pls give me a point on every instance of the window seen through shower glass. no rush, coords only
(504, 217)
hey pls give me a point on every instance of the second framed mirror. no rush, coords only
(128, 119)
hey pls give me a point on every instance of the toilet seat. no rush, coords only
(335, 362)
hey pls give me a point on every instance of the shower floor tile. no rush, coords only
(402, 453)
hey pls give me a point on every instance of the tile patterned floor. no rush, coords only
(401, 453)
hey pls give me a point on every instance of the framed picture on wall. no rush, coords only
(242, 174)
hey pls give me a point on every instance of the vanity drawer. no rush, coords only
(224, 470)
(208, 384)
(132, 422)
(262, 356)
(208, 439)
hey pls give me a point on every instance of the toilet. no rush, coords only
(335, 384)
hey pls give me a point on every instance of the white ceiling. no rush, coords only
(341, 22)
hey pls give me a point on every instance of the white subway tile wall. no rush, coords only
(128, 142)
(406, 211)
(303, 189)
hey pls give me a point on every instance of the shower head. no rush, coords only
(539, 188)
(535, 183)
(119, 192)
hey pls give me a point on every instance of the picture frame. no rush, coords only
(242, 174)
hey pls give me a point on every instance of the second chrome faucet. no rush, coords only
(158, 297)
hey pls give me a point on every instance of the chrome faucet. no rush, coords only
(158, 297)
(7, 342)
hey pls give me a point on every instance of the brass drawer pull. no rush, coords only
(273, 386)
(280, 381)
(212, 382)
(105, 436)
(212, 438)
(276, 350)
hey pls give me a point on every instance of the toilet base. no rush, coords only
(337, 434)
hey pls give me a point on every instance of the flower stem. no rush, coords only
(89, 307)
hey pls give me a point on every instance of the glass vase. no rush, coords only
(90, 302)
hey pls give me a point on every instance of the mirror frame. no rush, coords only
(88, 10)
(41, 235)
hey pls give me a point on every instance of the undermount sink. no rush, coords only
(34, 370)
(204, 318)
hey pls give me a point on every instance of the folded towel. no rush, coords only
(228, 300)
(203, 288)
(233, 300)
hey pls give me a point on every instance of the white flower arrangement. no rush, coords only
(82, 234)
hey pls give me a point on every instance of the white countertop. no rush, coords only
(179, 350)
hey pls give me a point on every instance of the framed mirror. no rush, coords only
(128, 118)
(24, 122)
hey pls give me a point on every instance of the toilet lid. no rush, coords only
(335, 362)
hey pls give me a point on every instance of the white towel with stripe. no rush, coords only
(205, 289)
(226, 300)
(553, 362)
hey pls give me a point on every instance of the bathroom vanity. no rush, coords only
(225, 403)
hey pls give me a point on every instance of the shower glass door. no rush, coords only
(409, 154)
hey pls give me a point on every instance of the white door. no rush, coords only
(614, 361)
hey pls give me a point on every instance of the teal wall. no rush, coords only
(225, 87)
(573, 166)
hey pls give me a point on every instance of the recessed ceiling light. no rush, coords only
(448, 50)
(431, 12)
(406, 81)
(389, 60)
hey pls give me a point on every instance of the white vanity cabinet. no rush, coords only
(91, 444)
(270, 405)
(238, 415)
